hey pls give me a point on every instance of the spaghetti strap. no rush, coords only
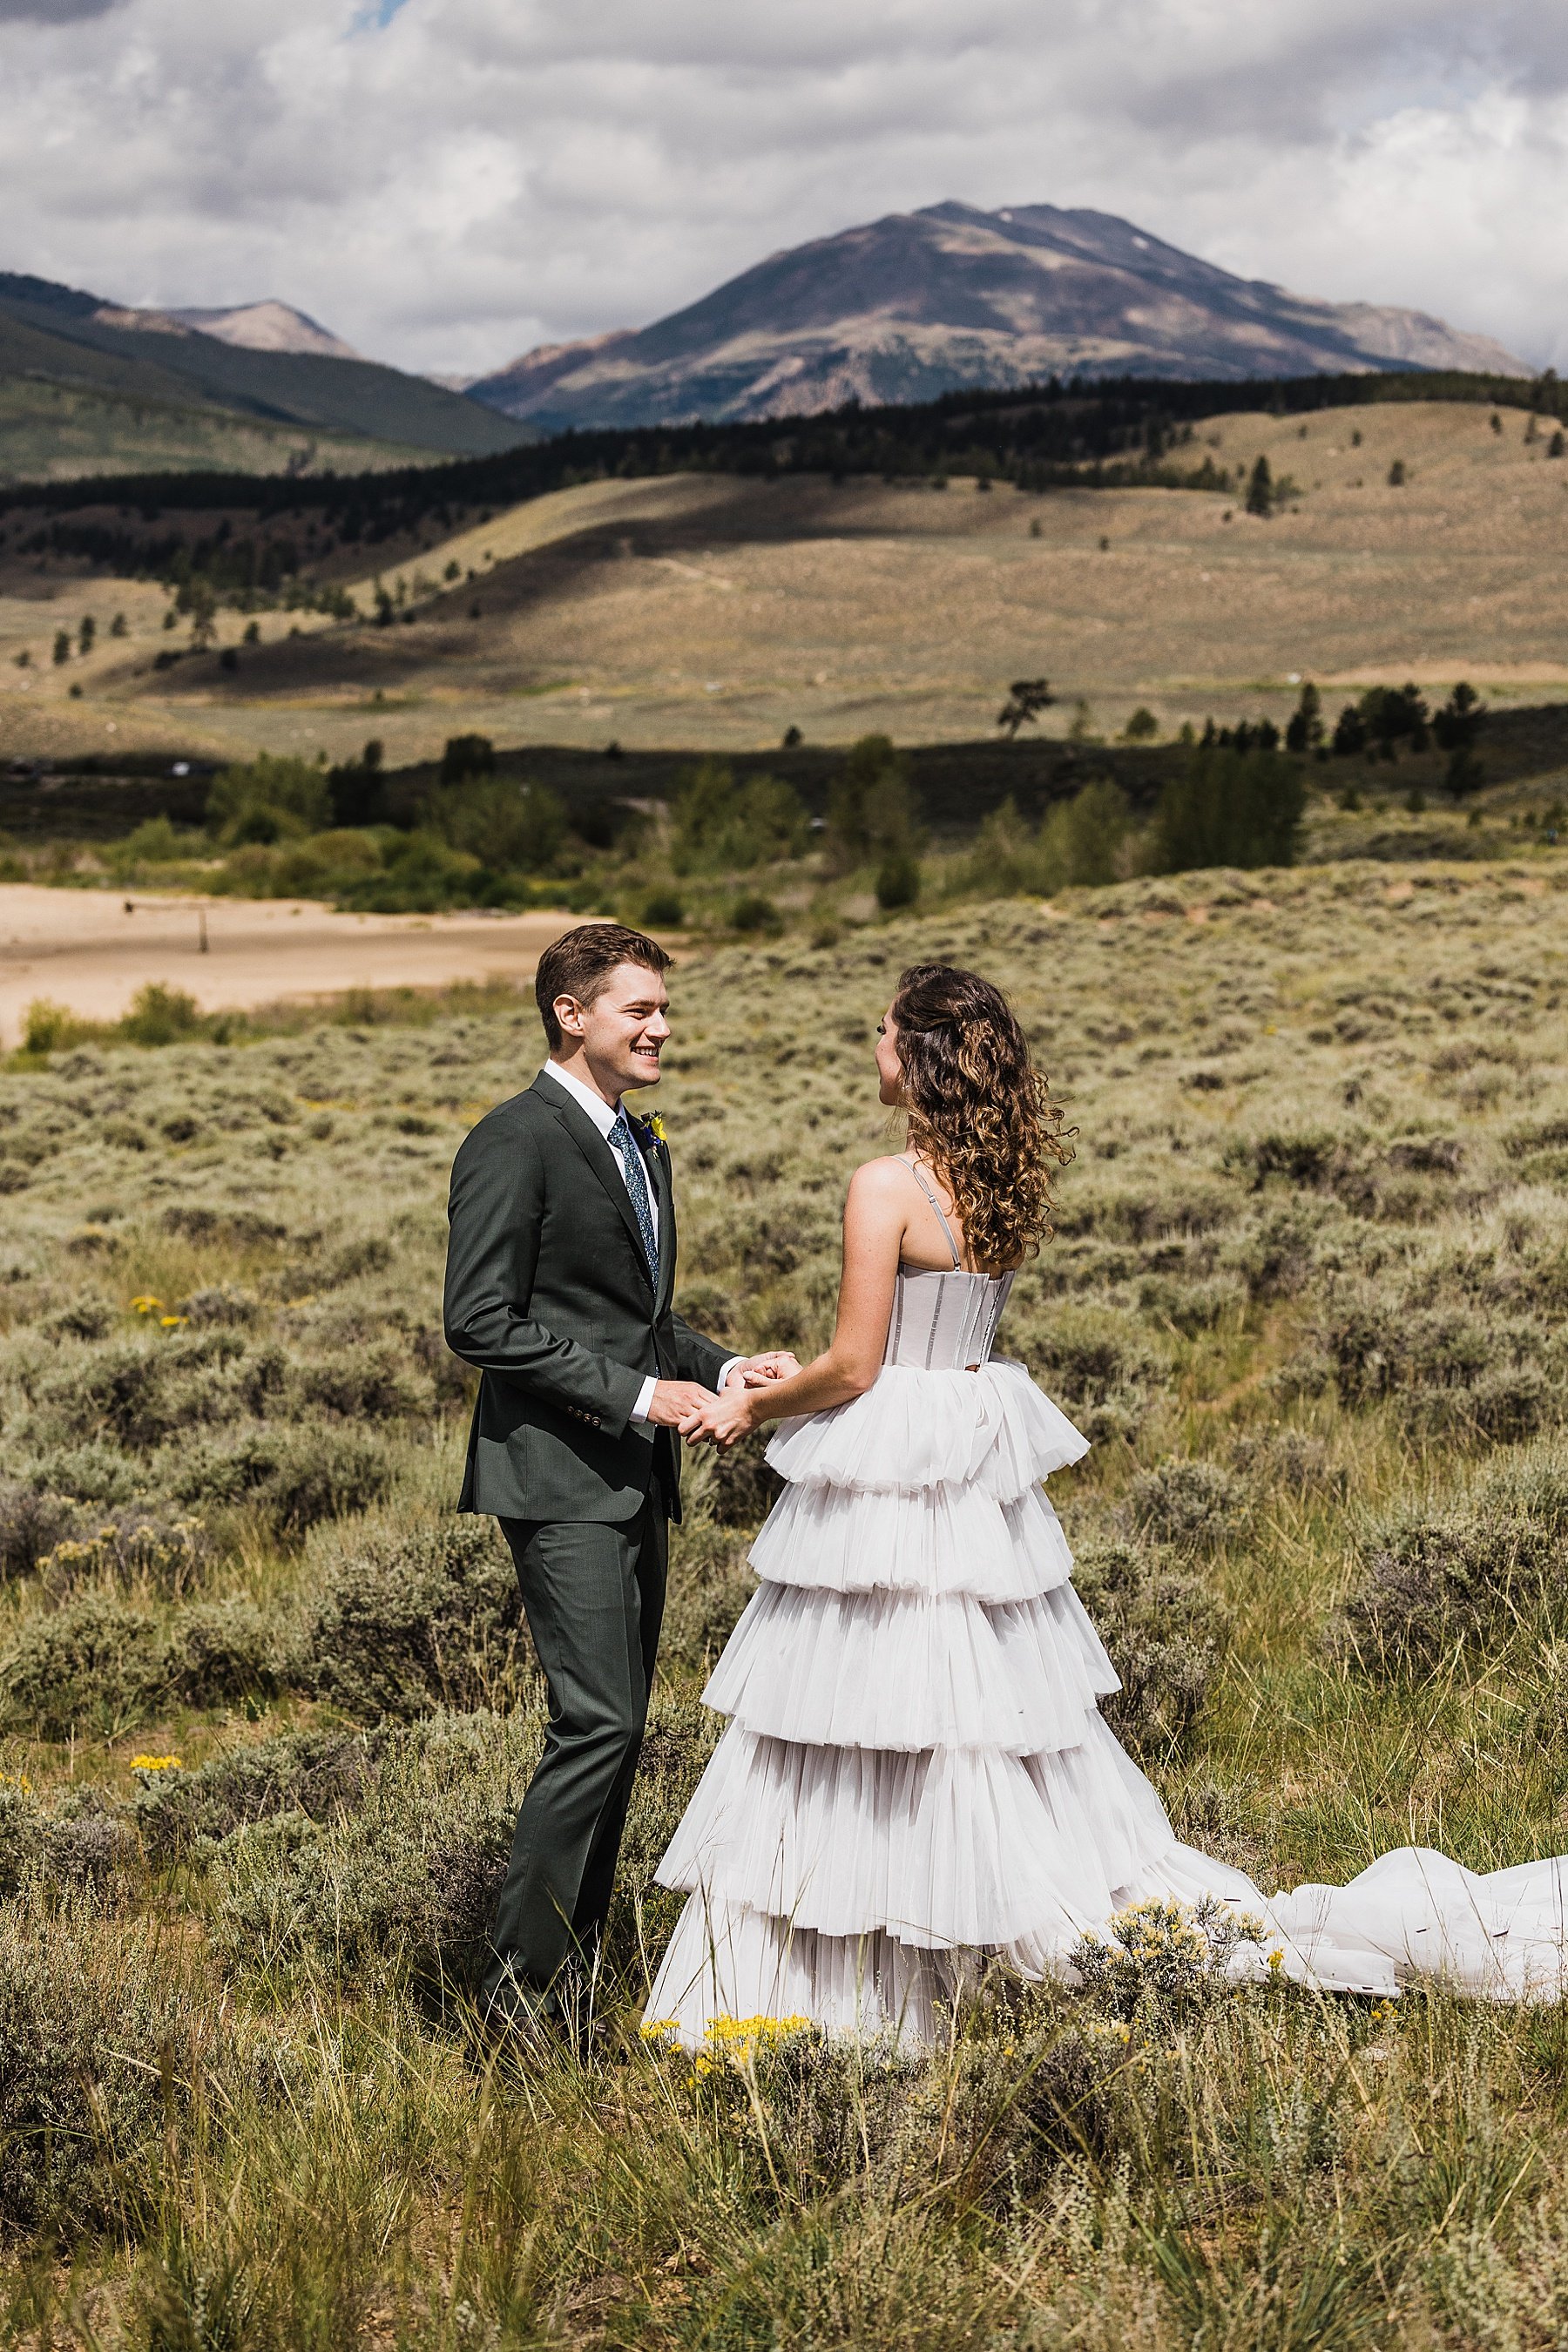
(913, 1167)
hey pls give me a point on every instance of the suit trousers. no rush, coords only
(593, 1597)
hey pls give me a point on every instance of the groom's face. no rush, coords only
(623, 1031)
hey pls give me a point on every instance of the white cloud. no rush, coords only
(444, 181)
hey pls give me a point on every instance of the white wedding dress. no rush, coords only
(915, 1770)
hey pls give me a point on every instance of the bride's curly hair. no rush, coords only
(979, 1111)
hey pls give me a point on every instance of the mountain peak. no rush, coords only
(268, 326)
(916, 304)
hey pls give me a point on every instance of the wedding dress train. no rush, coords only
(916, 1770)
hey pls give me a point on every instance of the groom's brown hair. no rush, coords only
(579, 963)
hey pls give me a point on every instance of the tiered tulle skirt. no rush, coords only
(915, 1768)
(916, 1772)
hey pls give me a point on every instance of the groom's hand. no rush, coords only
(756, 1372)
(675, 1401)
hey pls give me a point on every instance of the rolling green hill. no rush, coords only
(81, 395)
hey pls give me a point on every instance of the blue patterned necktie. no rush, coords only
(624, 1141)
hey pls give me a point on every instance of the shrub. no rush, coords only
(663, 909)
(161, 1015)
(1191, 1504)
(1430, 1579)
(98, 2042)
(1289, 1460)
(508, 826)
(405, 1880)
(371, 1384)
(752, 912)
(420, 875)
(721, 829)
(121, 1387)
(1166, 1961)
(21, 1837)
(31, 1524)
(93, 1473)
(224, 1304)
(47, 1027)
(92, 1665)
(409, 1624)
(221, 1649)
(87, 1846)
(133, 1547)
(318, 1773)
(1081, 839)
(268, 800)
(1101, 1369)
(897, 880)
(298, 1477)
(1167, 1635)
(870, 809)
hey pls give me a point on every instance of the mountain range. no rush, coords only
(899, 309)
(917, 304)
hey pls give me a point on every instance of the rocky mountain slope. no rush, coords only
(916, 304)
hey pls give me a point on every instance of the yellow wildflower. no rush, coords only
(172, 1322)
(146, 1304)
(16, 1780)
(1277, 1958)
(155, 1764)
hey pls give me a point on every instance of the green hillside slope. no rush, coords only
(52, 432)
(80, 396)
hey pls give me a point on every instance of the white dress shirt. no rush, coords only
(603, 1119)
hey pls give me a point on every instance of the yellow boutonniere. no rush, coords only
(656, 1128)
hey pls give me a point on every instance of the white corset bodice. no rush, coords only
(945, 1322)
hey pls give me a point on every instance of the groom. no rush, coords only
(560, 1272)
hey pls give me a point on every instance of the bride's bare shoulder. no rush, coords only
(876, 1181)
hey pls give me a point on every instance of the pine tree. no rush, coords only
(1260, 489)
(1305, 732)
(1230, 808)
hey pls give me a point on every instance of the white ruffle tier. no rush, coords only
(916, 1769)
(893, 1671)
(941, 1540)
(953, 1847)
(914, 1430)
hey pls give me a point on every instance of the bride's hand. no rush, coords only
(725, 1419)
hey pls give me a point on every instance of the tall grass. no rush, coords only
(1306, 1296)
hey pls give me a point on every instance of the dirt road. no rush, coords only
(92, 950)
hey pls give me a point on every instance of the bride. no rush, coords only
(915, 1770)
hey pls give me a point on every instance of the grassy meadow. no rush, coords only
(265, 1704)
(718, 610)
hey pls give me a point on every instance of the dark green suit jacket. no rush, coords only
(548, 1293)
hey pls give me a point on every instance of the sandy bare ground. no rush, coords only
(711, 612)
(83, 950)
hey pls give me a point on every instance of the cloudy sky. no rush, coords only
(448, 182)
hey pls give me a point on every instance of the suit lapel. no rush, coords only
(601, 1160)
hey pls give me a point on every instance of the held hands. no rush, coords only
(699, 1414)
(755, 1372)
(673, 1402)
(725, 1419)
